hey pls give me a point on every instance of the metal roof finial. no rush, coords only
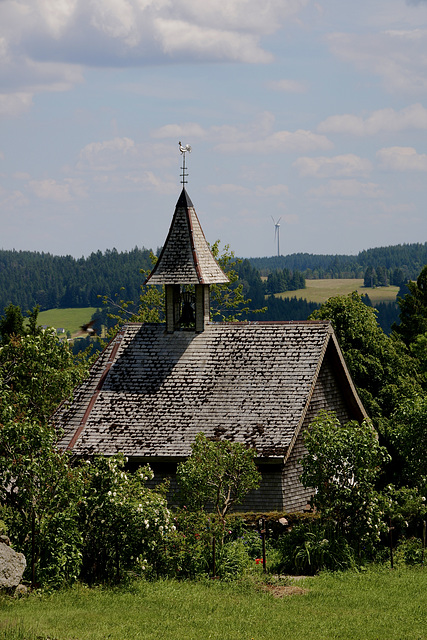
(184, 168)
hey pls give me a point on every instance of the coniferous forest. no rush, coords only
(29, 278)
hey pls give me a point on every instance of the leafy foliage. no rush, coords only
(413, 309)
(343, 463)
(38, 372)
(38, 487)
(409, 436)
(220, 473)
(123, 522)
(309, 548)
(381, 366)
(228, 301)
(40, 491)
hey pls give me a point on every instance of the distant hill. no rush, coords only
(403, 262)
(28, 278)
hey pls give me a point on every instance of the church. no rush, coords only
(156, 386)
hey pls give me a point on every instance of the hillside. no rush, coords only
(56, 282)
(407, 259)
(28, 278)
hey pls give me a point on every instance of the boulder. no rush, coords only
(12, 566)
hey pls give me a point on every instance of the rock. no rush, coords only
(5, 540)
(21, 590)
(12, 566)
(283, 521)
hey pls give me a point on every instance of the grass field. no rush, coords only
(69, 319)
(379, 604)
(321, 290)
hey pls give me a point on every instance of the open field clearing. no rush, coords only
(320, 290)
(378, 604)
(69, 319)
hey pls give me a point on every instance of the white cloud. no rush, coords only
(190, 40)
(13, 104)
(190, 129)
(150, 181)
(105, 156)
(113, 32)
(383, 120)
(13, 200)
(288, 86)
(299, 141)
(257, 136)
(402, 159)
(46, 44)
(56, 14)
(324, 167)
(397, 57)
(50, 189)
(346, 189)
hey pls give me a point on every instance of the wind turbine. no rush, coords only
(277, 233)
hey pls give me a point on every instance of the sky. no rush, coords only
(310, 113)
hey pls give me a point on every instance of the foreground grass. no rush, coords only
(377, 604)
(69, 319)
(320, 290)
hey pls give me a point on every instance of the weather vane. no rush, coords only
(184, 168)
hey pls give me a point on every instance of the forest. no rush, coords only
(28, 278)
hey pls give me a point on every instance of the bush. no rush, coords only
(232, 560)
(124, 522)
(409, 551)
(309, 549)
(186, 551)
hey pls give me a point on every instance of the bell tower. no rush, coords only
(186, 267)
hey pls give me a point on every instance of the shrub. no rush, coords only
(309, 549)
(409, 551)
(124, 522)
(232, 560)
(186, 551)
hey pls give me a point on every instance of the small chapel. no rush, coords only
(156, 386)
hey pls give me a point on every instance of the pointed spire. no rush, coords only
(186, 257)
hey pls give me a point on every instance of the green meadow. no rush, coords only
(378, 604)
(69, 319)
(320, 290)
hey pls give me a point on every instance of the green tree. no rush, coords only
(11, 323)
(413, 309)
(408, 433)
(342, 464)
(217, 473)
(381, 366)
(39, 371)
(38, 487)
(39, 490)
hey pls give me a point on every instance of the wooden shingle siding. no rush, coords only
(327, 396)
(269, 496)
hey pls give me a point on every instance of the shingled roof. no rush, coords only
(150, 392)
(186, 257)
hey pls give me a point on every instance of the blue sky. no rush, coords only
(311, 112)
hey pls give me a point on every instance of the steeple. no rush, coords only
(186, 260)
